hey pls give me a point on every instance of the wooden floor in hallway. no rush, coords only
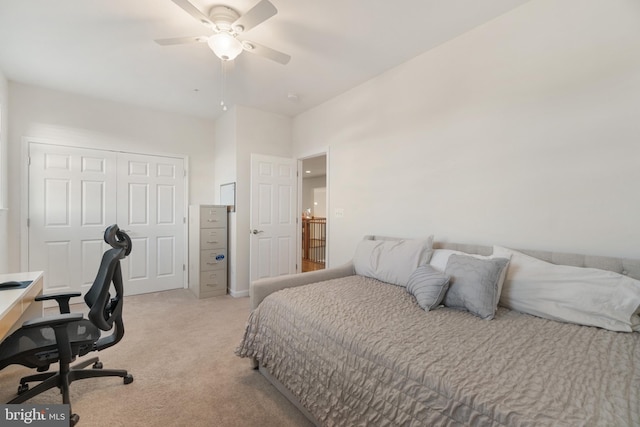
(311, 266)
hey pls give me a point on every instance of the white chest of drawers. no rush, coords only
(208, 250)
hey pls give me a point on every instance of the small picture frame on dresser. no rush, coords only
(228, 196)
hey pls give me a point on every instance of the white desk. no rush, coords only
(18, 305)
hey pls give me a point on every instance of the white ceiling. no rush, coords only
(106, 48)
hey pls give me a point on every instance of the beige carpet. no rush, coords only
(180, 351)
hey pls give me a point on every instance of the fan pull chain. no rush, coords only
(222, 83)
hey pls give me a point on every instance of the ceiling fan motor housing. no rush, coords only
(223, 17)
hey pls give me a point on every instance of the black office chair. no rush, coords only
(63, 337)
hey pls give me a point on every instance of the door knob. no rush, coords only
(254, 231)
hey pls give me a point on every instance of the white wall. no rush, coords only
(225, 171)
(224, 147)
(4, 136)
(258, 132)
(240, 132)
(70, 119)
(522, 132)
(320, 202)
(219, 152)
(309, 185)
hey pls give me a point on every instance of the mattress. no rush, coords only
(356, 351)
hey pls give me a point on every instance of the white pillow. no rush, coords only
(440, 258)
(586, 296)
(391, 261)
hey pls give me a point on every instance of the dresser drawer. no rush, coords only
(213, 238)
(214, 259)
(212, 217)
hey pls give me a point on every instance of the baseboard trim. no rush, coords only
(237, 294)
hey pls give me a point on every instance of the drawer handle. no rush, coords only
(211, 263)
(212, 220)
(211, 241)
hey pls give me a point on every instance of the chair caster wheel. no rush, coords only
(128, 379)
(97, 365)
(73, 420)
(23, 388)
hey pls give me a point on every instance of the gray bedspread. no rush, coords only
(356, 351)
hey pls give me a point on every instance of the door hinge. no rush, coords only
(29, 161)
(184, 219)
(184, 267)
(28, 222)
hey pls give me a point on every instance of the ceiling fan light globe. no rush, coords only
(225, 46)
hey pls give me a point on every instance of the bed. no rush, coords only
(351, 349)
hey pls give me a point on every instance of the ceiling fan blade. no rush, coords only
(267, 52)
(188, 7)
(257, 14)
(181, 40)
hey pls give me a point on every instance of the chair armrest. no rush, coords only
(59, 324)
(262, 288)
(61, 298)
(55, 320)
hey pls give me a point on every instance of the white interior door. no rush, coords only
(273, 216)
(72, 199)
(152, 190)
(75, 193)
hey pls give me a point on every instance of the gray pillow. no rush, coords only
(474, 284)
(391, 261)
(428, 285)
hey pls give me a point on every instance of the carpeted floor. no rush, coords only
(180, 351)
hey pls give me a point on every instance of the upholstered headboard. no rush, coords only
(628, 267)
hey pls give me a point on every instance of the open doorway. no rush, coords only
(314, 213)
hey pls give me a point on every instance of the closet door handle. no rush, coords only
(254, 231)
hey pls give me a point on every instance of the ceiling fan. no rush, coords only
(227, 24)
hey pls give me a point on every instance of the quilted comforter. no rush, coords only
(356, 351)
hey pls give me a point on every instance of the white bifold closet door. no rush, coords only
(75, 193)
(151, 194)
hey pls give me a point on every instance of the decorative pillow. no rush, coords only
(428, 285)
(391, 261)
(586, 296)
(440, 258)
(474, 284)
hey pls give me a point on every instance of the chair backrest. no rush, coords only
(106, 312)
